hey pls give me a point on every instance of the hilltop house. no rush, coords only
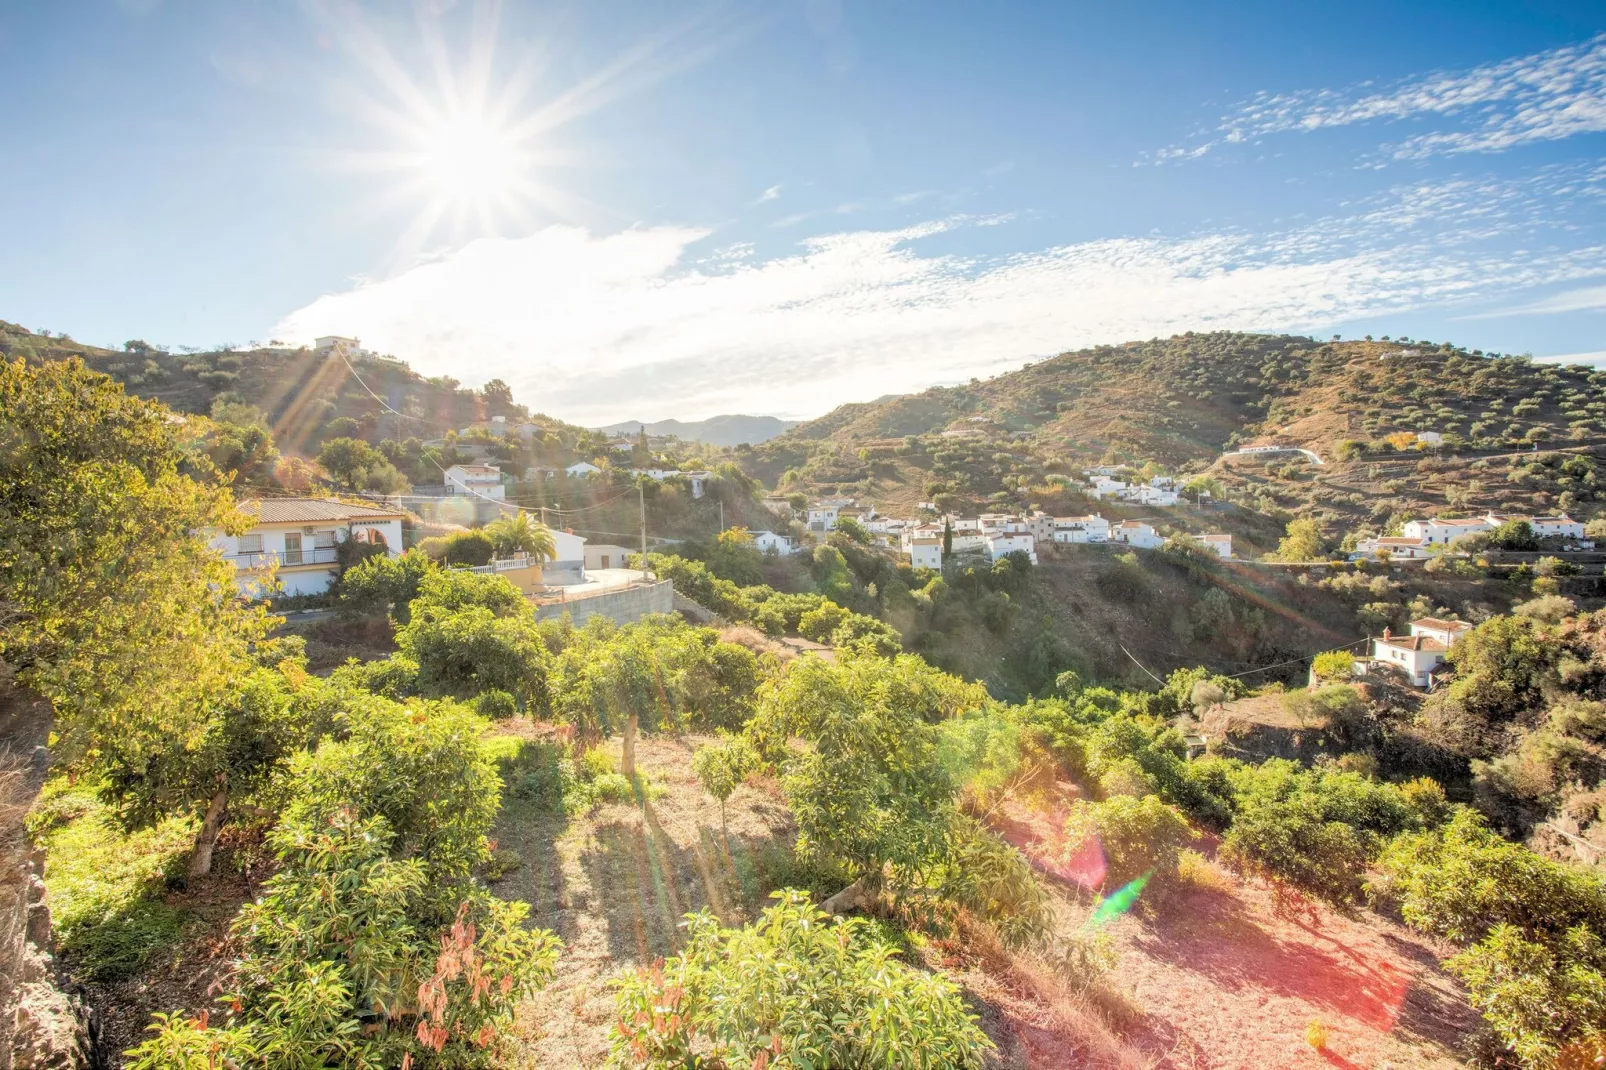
(301, 536)
(1419, 654)
(580, 468)
(1220, 544)
(481, 480)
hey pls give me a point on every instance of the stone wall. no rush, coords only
(624, 606)
(40, 1025)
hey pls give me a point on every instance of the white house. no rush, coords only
(1435, 531)
(823, 515)
(331, 343)
(1556, 527)
(1220, 544)
(480, 480)
(606, 555)
(769, 542)
(1445, 631)
(568, 564)
(301, 536)
(1404, 547)
(1136, 533)
(1417, 655)
(698, 481)
(1105, 487)
(1081, 529)
(1001, 542)
(581, 468)
(1430, 438)
(1162, 496)
(925, 551)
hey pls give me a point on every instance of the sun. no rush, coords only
(471, 160)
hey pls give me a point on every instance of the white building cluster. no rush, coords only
(996, 534)
(1419, 538)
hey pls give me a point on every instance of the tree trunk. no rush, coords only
(853, 897)
(627, 760)
(206, 839)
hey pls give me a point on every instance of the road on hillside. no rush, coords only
(1255, 451)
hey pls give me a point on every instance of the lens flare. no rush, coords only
(1119, 902)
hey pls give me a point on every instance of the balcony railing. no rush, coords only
(312, 555)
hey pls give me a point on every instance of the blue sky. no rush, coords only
(646, 210)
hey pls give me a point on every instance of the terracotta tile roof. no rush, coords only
(312, 510)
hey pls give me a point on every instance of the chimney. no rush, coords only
(1385, 631)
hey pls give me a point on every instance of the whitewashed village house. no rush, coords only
(1136, 533)
(479, 480)
(1419, 654)
(768, 542)
(301, 537)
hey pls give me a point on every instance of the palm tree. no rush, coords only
(520, 533)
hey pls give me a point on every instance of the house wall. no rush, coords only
(624, 606)
(607, 555)
(264, 545)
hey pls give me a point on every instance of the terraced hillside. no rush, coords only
(1498, 432)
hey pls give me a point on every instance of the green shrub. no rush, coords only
(1290, 842)
(497, 705)
(722, 765)
(612, 788)
(420, 766)
(353, 958)
(796, 988)
(1138, 836)
(473, 548)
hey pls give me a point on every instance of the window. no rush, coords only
(251, 544)
(323, 540)
(292, 547)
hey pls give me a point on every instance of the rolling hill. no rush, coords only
(715, 431)
(1516, 435)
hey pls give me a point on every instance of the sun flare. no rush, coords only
(471, 160)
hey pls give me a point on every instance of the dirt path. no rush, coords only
(615, 884)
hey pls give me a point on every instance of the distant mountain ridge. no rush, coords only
(730, 430)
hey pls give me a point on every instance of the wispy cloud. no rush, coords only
(1585, 299)
(1545, 96)
(597, 327)
(773, 193)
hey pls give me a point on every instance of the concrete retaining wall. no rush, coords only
(624, 606)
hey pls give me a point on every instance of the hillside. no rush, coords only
(715, 431)
(299, 391)
(1181, 403)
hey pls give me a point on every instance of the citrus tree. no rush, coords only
(794, 989)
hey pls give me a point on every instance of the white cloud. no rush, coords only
(1595, 359)
(1545, 96)
(773, 193)
(1585, 299)
(596, 328)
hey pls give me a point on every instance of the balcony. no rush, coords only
(260, 559)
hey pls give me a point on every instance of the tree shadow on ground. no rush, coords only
(533, 832)
(1213, 935)
(644, 882)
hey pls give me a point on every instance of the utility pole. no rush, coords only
(641, 498)
(722, 514)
